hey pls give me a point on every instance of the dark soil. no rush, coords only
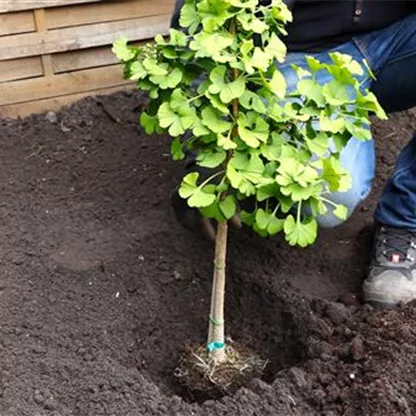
(101, 289)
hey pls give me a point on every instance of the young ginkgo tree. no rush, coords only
(215, 87)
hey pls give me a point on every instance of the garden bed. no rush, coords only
(101, 289)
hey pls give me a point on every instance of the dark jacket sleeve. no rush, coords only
(174, 23)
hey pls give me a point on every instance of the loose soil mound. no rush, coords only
(101, 289)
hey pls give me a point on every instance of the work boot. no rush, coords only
(392, 277)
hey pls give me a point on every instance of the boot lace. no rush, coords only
(397, 242)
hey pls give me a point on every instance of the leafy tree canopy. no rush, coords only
(215, 87)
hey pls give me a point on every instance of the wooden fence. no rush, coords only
(53, 52)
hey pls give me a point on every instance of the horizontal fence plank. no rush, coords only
(67, 39)
(48, 104)
(15, 5)
(20, 69)
(105, 12)
(63, 84)
(13, 23)
(84, 58)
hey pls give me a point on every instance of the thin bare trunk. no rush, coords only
(216, 331)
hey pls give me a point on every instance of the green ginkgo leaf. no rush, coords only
(227, 91)
(168, 119)
(278, 84)
(176, 149)
(336, 93)
(200, 199)
(319, 145)
(197, 197)
(300, 233)
(137, 71)
(212, 119)
(252, 23)
(253, 129)
(276, 48)
(268, 222)
(150, 123)
(233, 90)
(226, 142)
(228, 207)
(311, 90)
(189, 17)
(341, 212)
(211, 158)
(123, 51)
(188, 185)
(171, 80)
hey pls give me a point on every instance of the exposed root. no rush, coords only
(204, 377)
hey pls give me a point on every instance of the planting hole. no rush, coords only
(259, 321)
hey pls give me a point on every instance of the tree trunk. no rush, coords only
(216, 333)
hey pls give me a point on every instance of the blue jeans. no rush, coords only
(391, 54)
